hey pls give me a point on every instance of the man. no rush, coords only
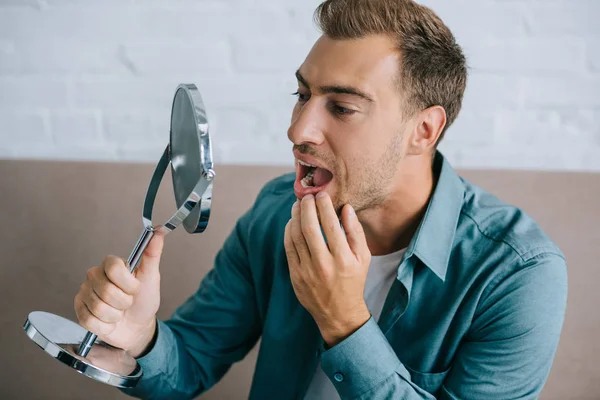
(429, 288)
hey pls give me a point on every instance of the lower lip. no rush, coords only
(301, 191)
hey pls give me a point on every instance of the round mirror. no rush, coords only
(191, 154)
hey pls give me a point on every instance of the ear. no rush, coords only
(428, 127)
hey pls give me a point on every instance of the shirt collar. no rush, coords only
(432, 242)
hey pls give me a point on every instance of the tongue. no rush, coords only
(321, 177)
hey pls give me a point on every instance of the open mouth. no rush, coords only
(312, 176)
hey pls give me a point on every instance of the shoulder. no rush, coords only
(521, 274)
(273, 204)
(497, 223)
(281, 186)
(507, 249)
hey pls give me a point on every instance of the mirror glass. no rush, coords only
(191, 154)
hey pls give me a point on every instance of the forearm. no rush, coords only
(364, 366)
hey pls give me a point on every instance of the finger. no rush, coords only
(290, 249)
(355, 233)
(298, 236)
(89, 321)
(311, 229)
(99, 308)
(117, 272)
(338, 245)
(150, 260)
(108, 291)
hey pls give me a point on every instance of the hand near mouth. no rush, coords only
(328, 278)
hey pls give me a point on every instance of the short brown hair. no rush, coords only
(433, 68)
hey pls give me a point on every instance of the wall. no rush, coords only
(95, 80)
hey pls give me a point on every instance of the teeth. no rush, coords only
(308, 179)
(306, 164)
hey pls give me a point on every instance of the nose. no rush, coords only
(306, 124)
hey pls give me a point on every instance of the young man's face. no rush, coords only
(348, 120)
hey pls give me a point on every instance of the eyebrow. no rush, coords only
(336, 89)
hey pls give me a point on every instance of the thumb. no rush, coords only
(151, 256)
(354, 233)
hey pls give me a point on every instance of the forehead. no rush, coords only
(370, 63)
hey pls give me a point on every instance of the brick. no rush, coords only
(280, 117)
(21, 128)
(132, 94)
(472, 20)
(590, 160)
(9, 59)
(553, 128)
(301, 18)
(471, 129)
(243, 89)
(23, 3)
(44, 4)
(75, 128)
(527, 55)
(271, 54)
(186, 56)
(486, 91)
(562, 91)
(31, 93)
(102, 76)
(70, 153)
(89, 21)
(147, 152)
(231, 124)
(558, 18)
(256, 153)
(593, 55)
(451, 152)
(526, 158)
(6, 153)
(595, 117)
(55, 55)
(211, 20)
(131, 128)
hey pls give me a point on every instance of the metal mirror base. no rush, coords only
(61, 338)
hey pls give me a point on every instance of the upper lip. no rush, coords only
(307, 159)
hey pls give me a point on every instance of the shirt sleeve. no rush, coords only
(514, 336)
(507, 355)
(365, 366)
(214, 328)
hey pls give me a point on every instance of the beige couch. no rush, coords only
(61, 218)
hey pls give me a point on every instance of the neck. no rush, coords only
(390, 226)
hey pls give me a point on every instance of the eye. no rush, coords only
(339, 110)
(301, 97)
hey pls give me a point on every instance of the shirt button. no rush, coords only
(338, 377)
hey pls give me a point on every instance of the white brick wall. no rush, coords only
(94, 80)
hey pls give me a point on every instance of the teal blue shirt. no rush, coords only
(476, 310)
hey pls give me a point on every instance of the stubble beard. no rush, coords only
(372, 187)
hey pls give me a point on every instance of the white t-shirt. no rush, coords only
(382, 272)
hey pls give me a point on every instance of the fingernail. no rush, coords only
(351, 212)
(321, 194)
(308, 196)
(296, 203)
